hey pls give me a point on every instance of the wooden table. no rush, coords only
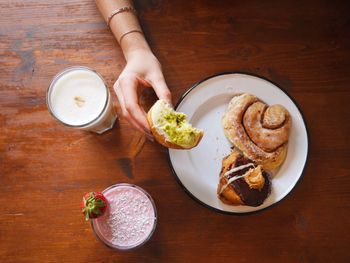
(304, 46)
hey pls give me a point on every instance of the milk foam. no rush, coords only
(78, 97)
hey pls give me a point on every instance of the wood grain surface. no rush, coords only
(304, 46)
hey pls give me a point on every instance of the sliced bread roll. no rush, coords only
(170, 128)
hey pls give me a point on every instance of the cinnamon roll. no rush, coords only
(260, 131)
(242, 181)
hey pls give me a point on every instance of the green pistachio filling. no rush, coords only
(177, 129)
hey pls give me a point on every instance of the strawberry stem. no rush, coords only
(92, 206)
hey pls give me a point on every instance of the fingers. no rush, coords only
(126, 90)
(161, 89)
(129, 87)
(125, 113)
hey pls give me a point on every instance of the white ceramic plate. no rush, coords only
(197, 170)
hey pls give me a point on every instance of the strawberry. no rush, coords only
(94, 204)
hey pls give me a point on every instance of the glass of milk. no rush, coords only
(79, 98)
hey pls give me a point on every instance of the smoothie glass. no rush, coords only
(129, 220)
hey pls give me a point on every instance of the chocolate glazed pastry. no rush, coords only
(261, 132)
(242, 182)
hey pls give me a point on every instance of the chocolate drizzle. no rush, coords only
(249, 196)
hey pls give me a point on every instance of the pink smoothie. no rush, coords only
(130, 219)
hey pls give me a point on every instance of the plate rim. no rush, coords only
(186, 93)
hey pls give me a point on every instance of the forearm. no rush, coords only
(122, 23)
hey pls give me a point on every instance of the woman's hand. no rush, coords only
(142, 70)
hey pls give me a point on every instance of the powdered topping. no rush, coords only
(79, 101)
(130, 219)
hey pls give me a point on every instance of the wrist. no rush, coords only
(134, 42)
